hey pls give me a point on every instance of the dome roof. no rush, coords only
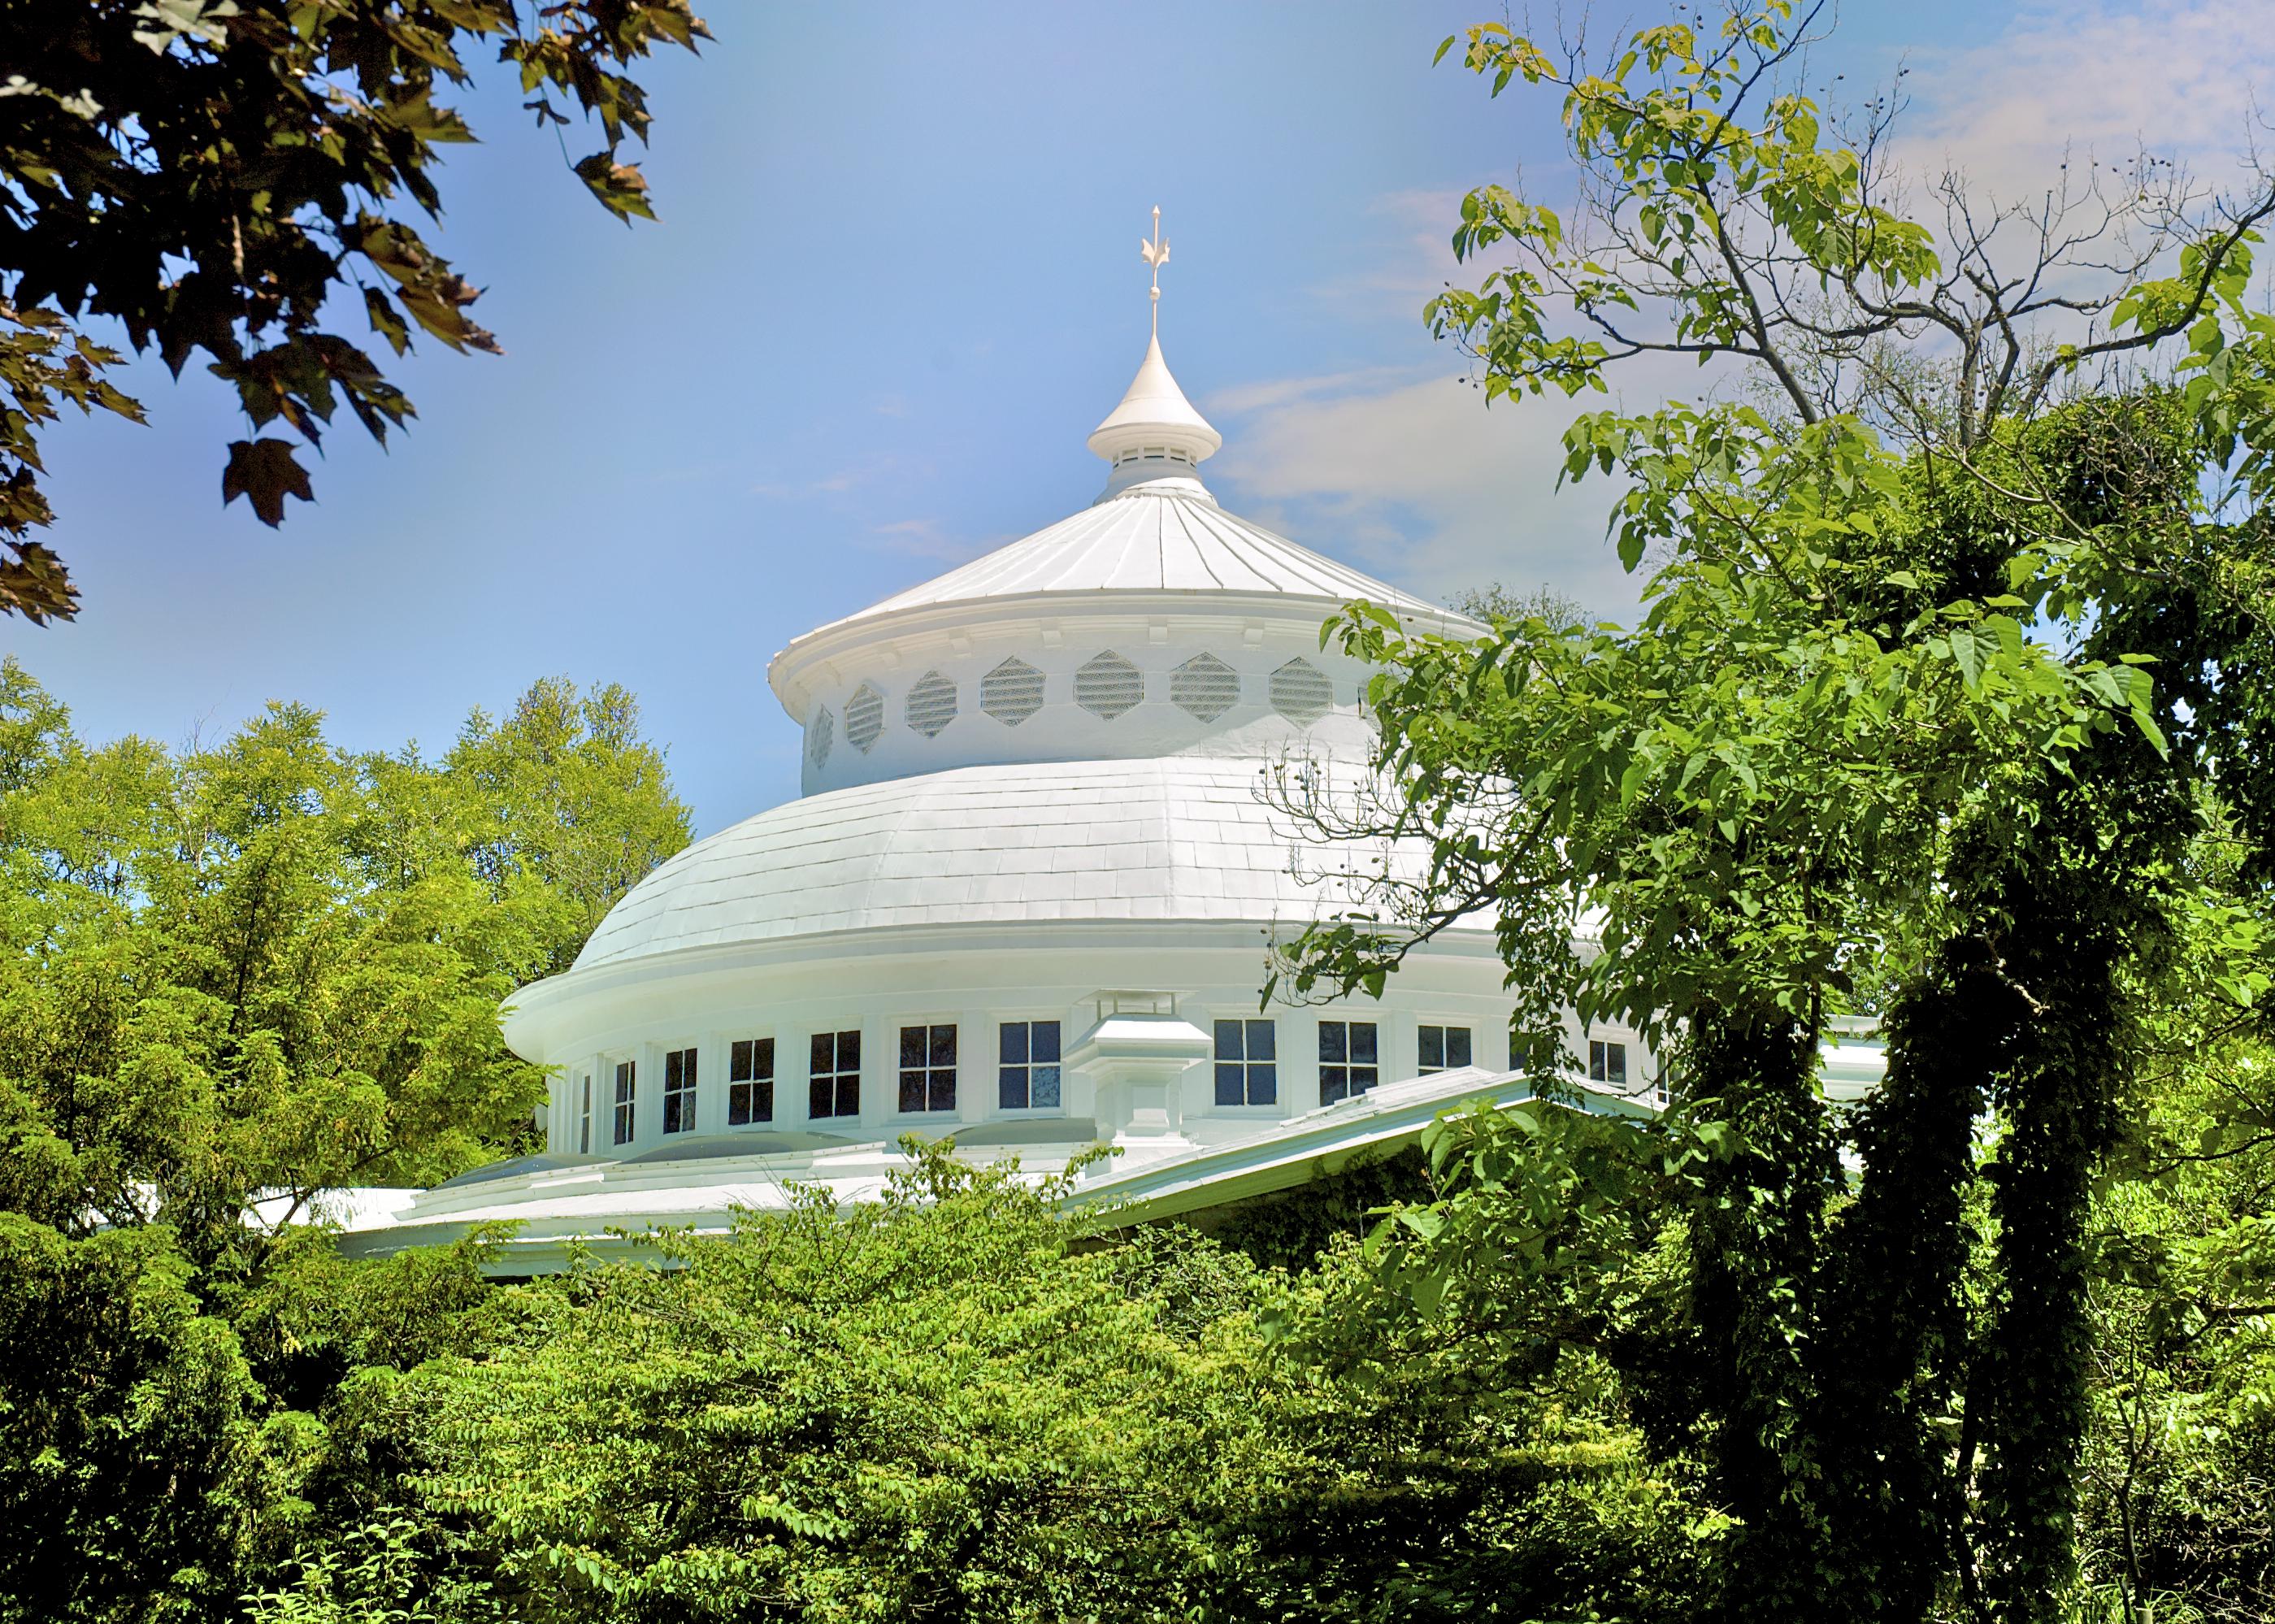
(1154, 409)
(1166, 536)
(1182, 838)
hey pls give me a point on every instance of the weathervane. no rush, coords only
(1157, 255)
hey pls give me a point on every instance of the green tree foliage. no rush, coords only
(234, 977)
(229, 178)
(1918, 720)
(957, 1401)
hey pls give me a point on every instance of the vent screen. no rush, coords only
(865, 717)
(817, 737)
(1205, 687)
(1300, 691)
(1108, 685)
(931, 704)
(1012, 691)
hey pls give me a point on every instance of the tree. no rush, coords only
(959, 1399)
(235, 981)
(210, 174)
(1915, 714)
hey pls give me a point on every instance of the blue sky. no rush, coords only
(893, 286)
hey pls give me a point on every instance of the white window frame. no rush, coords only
(1348, 1064)
(858, 1071)
(956, 1068)
(687, 1089)
(1030, 1022)
(773, 1080)
(1448, 1024)
(623, 1101)
(1276, 1105)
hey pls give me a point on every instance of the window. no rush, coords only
(931, 704)
(1108, 685)
(865, 717)
(1348, 1063)
(1205, 687)
(1012, 691)
(585, 1120)
(1445, 1048)
(1300, 691)
(817, 738)
(1028, 1073)
(751, 1081)
(678, 1090)
(834, 1067)
(1607, 1063)
(1247, 1063)
(927, 1068)
(623, 1114)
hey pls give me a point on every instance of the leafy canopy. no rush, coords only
(232, 177)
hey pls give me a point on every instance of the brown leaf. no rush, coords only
(264, 472)
(621, 187)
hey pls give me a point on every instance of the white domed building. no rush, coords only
(1024, 901)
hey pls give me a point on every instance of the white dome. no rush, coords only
(1173, 839)
(1165, 537)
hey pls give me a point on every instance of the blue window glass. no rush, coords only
(1247, 1063)
(1027, 1065)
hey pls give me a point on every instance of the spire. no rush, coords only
(1154, 433)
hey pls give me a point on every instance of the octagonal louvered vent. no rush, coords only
(818, 735)
(1205, 687)
(865, 717)
(1300, 691)
(1108, 685)
(1012, 691)
(931, 704)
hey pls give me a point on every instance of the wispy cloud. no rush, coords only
(2188, 79)
(927, 538)
(877, 470)
(1409, 475)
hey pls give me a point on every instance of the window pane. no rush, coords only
(1616, 1063)
(1011, 1088)
(1229, 1081)
(1365, 1077)
(913, 1046)
(739, 1062)
(849, 1092)
(1046, 1085)
(762, 1101)
(912, 1091)
(1263, 1084)
(1263, 1041)
(821, 1097)
(1228, 1039)
(821, 1054)
(1334, 1084)
(1011, 1043)
(944, 1046)
(1046, 1042)
(1362, 1043)
(1457, 1045)
(1433, 1048)
(1333, 1038)
(943, 1091)
(849, 1051)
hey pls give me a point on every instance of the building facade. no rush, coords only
(1024, 901)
